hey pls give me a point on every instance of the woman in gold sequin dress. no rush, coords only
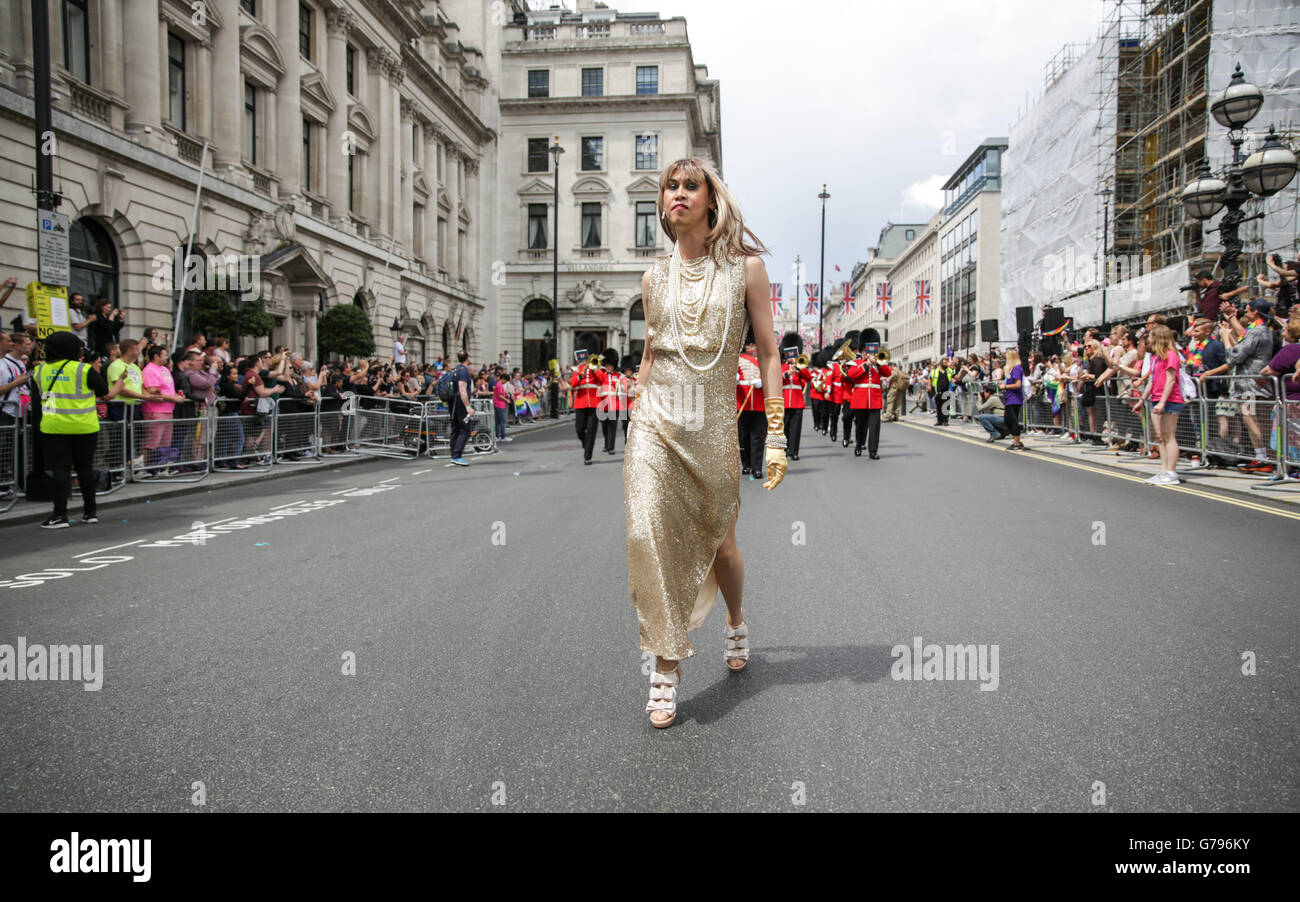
(681, 467)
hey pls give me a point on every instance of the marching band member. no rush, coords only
(866, 380)
(607, 399)
(838, 403)
(793, 379)
(626, 381)
(817, 376)
(751, 425)
(584, 383)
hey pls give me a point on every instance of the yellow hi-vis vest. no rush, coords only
(67, 403)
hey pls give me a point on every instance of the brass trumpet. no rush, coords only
(595, 361)
(882, 356)
(801, 361)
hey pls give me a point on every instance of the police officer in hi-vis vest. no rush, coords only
(64, 391)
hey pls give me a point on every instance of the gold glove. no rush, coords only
(777, 466)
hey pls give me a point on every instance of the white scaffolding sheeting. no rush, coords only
(1052, 170)
(1264, 37)
(1130, 298)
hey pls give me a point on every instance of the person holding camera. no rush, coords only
(461, 415)
(1250, 348)
(1209, 294)
(1286, 284)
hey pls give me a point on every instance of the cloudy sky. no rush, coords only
(879, 100)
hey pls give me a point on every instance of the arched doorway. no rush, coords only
(636, 330)
(537, 335)
(92, 262)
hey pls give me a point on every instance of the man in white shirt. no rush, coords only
(399, 350)
(13, 375)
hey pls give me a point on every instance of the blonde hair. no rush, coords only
(1013, 359)
(1161, 340)
(727, 228)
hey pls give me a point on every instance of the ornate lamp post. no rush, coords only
(821, 302)
(1264, 173)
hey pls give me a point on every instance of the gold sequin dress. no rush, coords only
(681, 466)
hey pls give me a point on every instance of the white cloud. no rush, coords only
(926, 194)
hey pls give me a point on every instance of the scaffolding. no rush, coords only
(1167, 58)
(1163, 51)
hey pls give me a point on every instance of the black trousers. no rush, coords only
(941, 407)
(869, 427)
(846, 412)
(752, 427)
(585, 417)
(832, 421)
(1012, 417)
(459, 430)
(793, 428)
(64, 453)
(609, 426)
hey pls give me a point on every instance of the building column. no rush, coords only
(393, 138)
(201, 124)
(430, 248)
(110, 42)
(142, 73)
(454, 153)
(227, 88)
(472, 241)
(338, 23)
(379, 185)
(288, 132)
(406, 195)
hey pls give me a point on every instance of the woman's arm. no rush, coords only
(648, 355)
(760, 317)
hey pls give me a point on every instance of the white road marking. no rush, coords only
(352, 489)
(109, 548)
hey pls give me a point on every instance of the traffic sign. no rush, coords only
(52, 247)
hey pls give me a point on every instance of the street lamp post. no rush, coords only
(556, 150)
(1263, 174)
(821, 290)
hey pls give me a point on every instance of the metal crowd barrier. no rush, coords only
(8, 465)
(1243, 417)
(386, 427)
(297, 431)
(172, 449)
(437, 434)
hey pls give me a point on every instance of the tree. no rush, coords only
(214, 315)
(345, 330)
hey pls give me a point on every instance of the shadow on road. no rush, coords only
(786, 665)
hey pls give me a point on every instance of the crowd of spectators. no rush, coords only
(1151, 365)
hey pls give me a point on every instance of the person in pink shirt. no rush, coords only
(1166, 402)
(158, 375)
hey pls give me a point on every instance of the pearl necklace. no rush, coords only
(696, 312)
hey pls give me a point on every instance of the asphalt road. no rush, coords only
(497, 660)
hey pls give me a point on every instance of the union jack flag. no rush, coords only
(849, 300)
(778, 310)
(884, 298)
(839, 333)
(814, 290)
(922, 297)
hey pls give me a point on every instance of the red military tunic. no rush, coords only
(623, 385)
(866, 384)
(586, 383)
(812, 389)
(793, 380)
(746, 374)
(839, 392)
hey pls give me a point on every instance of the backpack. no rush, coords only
(446, 389)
